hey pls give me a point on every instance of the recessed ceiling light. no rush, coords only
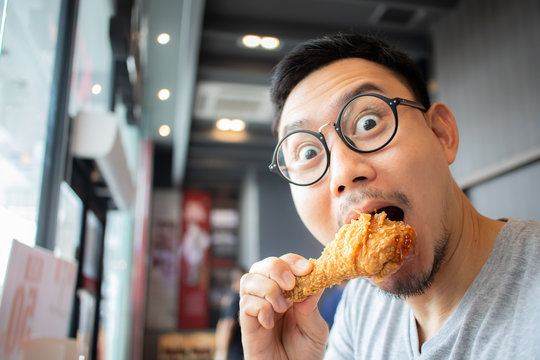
(164, 130)
(225, 124)
(251, 41)
(96, 89)
(164, 94)
(269, 42)
(237, 125)
(163, 38)
(254, 41)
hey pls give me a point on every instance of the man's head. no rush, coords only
(315, 54)
(409, 176)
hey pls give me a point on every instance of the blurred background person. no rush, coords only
(228, 335)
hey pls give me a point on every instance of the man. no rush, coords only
(357, 132)
(228, 337)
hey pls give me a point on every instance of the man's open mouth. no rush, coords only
(393, 213)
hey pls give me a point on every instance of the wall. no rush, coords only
(249, 221)
(486, 56)
(281, 230)
(270, 225)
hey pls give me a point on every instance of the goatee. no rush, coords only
(419, 283)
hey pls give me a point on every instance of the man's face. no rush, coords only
(411, 173)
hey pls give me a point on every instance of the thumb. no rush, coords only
(310, 320)
(307, 307)
(308, 329)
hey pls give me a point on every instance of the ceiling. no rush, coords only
(215, 77)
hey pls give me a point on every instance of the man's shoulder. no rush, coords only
(521, 228)
(520, 237)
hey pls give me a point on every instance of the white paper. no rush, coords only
(37, 298)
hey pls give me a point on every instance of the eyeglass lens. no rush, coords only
(367, 123)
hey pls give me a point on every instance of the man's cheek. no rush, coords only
(311, 212)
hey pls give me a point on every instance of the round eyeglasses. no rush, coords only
(366, 123)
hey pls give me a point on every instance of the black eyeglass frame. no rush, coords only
(393, 103)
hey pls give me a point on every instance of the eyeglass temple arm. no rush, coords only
(414, 104)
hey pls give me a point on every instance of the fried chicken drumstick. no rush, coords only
(372, 246)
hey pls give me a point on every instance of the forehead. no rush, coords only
(318, 97)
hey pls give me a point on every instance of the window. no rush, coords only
(26, 69)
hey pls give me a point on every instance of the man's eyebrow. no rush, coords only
(338, 103)
(295, 125)
(363, 88)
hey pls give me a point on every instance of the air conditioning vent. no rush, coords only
(230, 106)
(397, 16)
(214, 100)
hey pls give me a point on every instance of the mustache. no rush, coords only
(371, 194)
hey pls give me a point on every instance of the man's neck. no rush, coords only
(470, 243)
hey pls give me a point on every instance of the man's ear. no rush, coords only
(443, 124)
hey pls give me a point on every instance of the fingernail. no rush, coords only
(288, 278)
(302, 264)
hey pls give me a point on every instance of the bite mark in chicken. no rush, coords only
(371, 246)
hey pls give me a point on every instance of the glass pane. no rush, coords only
(92, 250)
(26, 68)
(87, 294)
(68, 229)
(3, 6)
(116, 303)
(92, 63)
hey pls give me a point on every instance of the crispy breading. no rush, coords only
(372, 246)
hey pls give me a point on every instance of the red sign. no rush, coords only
(194, 277)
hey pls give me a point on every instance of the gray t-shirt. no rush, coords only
(498, 318)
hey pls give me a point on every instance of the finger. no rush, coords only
(299, 265)
(276, 269)
(255, 308)
(260, 286)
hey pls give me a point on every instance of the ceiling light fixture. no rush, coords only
(164, 94)
(226, 124)
(254, 41)
(163, 38)
(237, 125)
(269, 42)
(164, 130)
(251, 41)
(96, 89)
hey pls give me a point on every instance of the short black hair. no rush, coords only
(312, 55)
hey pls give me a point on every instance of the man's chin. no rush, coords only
(403, 285)
(411, 279)
(387, 284)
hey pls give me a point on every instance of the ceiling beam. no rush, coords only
(209, 70)
(433, 5)
(221, 36)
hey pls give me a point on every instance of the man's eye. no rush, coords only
(308, 152)
(367, 123)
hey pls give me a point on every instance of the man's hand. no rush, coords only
(274, 327)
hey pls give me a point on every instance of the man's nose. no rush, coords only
(347, 168)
